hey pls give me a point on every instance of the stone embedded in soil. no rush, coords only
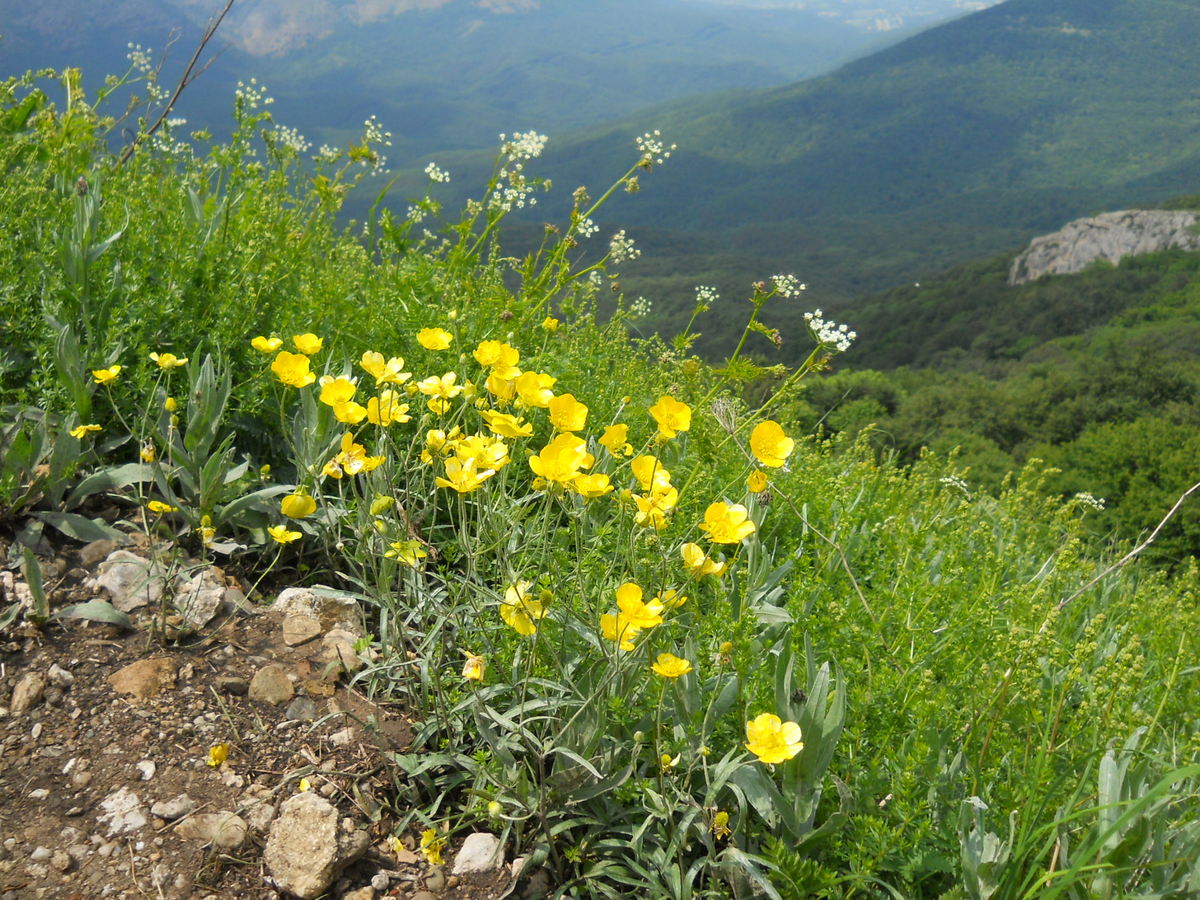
(200, 598)
(223, 830)
(60, 677)
(145, 678)
(332, 609)
(338, 647)
(301, 710)
(123, 812)
(90, 554)
(299, 629)
(229, 684)
(307, 848)
(173, 809)
(130, 580)
(480, 852)
(363, 893)
(28, 692)
(271, 685)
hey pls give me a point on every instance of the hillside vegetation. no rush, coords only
(651, 632)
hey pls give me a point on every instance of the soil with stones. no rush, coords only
(114, 784)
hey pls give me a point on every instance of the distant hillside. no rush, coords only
(963, 141)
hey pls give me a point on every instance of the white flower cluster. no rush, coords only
(652, 148)
(373, 132)
(706, 296)
(441, 176)
(585, 227)
(165, 142)
(621, 249)
(955, 481)
(1086, 499)
(789, 286)
(290, 138)
(327, 154)
(415, 214)
(523, 145)
(837, 336)
(252, 95)
(639, 308)
(140, 59)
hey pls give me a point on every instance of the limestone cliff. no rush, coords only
(1109, 236)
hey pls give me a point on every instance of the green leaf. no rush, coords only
(79, 527)
(97, 611)
(108, 480)
(32, 570)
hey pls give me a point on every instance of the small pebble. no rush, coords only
(40, 854)
(380, 881)
(39, 794)
(435, 880)
(146, 769)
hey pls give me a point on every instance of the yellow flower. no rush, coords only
(303, 785)
(381, 504)
(439, 406)
(649, 472)
(653, 508)
(501, 386)
(770, 445)
(168, 360)
(550, 323)
(698, 563)
(519, 610)
(756, 483)
(297, 505)
(389, 372)
(170, 404)
(434, 338)
(148, 453)
(292, 369)
(308, 343)
(281, 534)
(463, 475)
(561, 459)
(671, 415)
(591, 486)
(616, 440)
(157, 506)
(567, 413)
(81, 431)
(266, 344)
(773, 740)
(351, 460)
(474, 667)
(727, 523)
(106, 376)
(431, 846)
(671, 598)
(720, 825)
(206, 530)
(387, 409)
(635, 611)
(618, 630)
(496, 355)
(336, 390)
(668, 665)
(488, 452)
(218, 754)
(408, 553)
(505, 425)
(534, 388)
(440, 386)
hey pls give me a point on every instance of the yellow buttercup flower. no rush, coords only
(698, 562)
(591, 486)
(649, 472)
(308, 343)
(297, 505)
(434, 338)
(148, 453)
(282, 535)
(440, 386)
(727, 523)
(387, 409)
(616, 440)
(560, 460)
(550, 323)
(668, 665)
(618, 630)
(534, 388)
(474, 667)
(756, 483)
(635, 611)
(157, 506)
(431, 846)
(720, 825)
(81, 431)
(336, 390)
(206, 530)
(773, 740)
(266, 344)
(292, 369)
(386, 372)
(519, 610)
(464, 476)
(671, 415)
(671, 598)
(567, 413)
(106, 376)
(218, 754)
(770, 445)
(488, 452)
(381, 504)
(352, 459)
(170, 404)
(497, 355)
(507, 426)
(168, 360)
(653, 508)
(408, 553)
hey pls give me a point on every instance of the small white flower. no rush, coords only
(441, 176)
(621, 248)
(652, 148)
(706, 296)
(829, 333)
(788, 286)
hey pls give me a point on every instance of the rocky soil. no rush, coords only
(114, 784)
